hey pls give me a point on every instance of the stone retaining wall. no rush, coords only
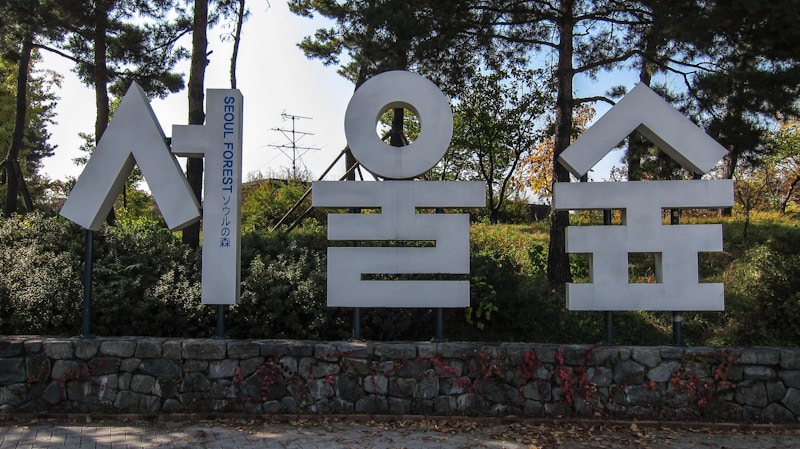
(154, 375)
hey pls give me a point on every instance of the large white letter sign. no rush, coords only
(406, 90)
(675, 247)
(398, 221)
(645, 111)
(354, 273)
(219, 141)
(133, 134)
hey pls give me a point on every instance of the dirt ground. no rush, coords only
(374, 432)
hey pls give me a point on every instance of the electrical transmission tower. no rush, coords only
(293, 136)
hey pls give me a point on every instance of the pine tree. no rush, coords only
(114, 42)
(434, 38)
(752, 78)
(583, 37)
(22, 25)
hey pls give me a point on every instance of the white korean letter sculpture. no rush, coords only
(675, 247)
(399, 202)
(134, 135)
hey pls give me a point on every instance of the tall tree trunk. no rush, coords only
(494, 209)
(349, 159)
(237, 38)
(558, 271)
(101, 78)
(788, 195)
(729, 163)
(486, 172)
(637, 145)
(396, 134)
(11, 162)
(100, 71)
(197, 73)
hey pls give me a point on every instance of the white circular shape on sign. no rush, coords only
(398, 89)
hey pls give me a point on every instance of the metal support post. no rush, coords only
(439, 336)
(674, 216)
(357, 324)
(609, 328)
(357, 311)
(677, 319)
(220, 334)
(609, 315)
(677, 331)
(86, 325)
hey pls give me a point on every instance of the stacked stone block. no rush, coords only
(159, 375)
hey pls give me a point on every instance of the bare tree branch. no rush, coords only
(59, 53)
(608, 61)
(595, 99)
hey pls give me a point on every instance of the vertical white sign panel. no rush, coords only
(219, 141)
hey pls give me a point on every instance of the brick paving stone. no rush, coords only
(457, 434)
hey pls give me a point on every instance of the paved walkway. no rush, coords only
(440, 434)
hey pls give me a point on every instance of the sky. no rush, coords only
(274, 77)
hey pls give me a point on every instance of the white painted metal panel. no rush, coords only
(219, 142)
(644, 110)
(133, 134)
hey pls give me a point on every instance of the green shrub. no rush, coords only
(515, 210)
(40, 276)
(763, 299)
(495, 290)
(266, 201)
(147, 283)
(283, 288)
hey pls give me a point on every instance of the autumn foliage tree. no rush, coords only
(496, 119)
(535, 171)
(752, 184)
(785, 160)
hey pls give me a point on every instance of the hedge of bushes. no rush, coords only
(147, 283)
